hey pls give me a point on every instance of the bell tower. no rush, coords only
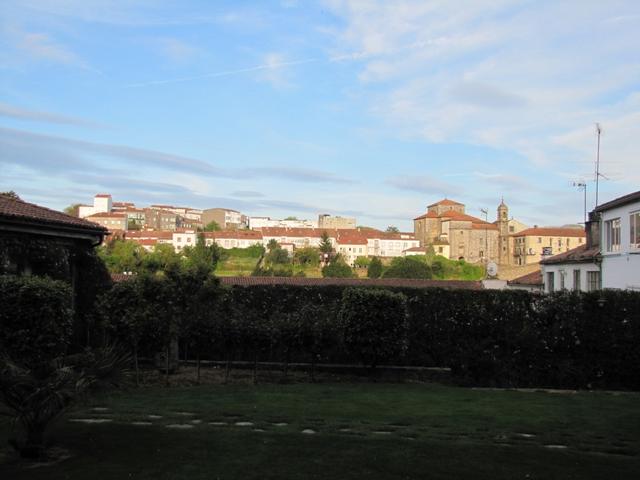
(503, 227)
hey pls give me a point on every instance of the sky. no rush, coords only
(372, 109)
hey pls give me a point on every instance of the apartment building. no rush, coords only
(534, 244)
(256, 223)
(111, 220)
(225, 217)
(102, 203)
(328, 221)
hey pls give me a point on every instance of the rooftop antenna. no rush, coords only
(599, 132)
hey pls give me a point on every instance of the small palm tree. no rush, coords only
(37, 396)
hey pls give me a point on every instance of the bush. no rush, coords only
(408, 267)
(375, 268)
(36, 319)
(337, 269)
(374, 324)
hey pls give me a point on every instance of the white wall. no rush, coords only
(566, 270)
(620, 269)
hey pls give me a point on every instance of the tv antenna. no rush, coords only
(598, 174)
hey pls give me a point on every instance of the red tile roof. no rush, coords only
(576, 255)
(235, 234)
(107, 215)
(357, 282)
(429, 214)
(533, 278)
(550, 232)
(103, 195)
(445, 202)
(24, 211)
(132, 234)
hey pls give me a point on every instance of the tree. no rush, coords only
(362, 262)
(272, 244)
(375, 268)
(10, 194)
(307, 256)
(374, 324)
(338, 268)
(162, 258)
(277, 256)
(325, 246)
(202, 256)
(122, 256)
(73, 209)
(392, 229)
(132, 224)
(291, 218)
(212, 226)
(408, 267)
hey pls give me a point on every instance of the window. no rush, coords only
(612, 235)
(593, 281)
(550, 286)
(512, 229)
(568, 242)
(539, 239)
(634, 230)
(576, 279)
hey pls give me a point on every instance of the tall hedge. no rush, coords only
(36, 319)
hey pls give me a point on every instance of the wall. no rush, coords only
(620, 269)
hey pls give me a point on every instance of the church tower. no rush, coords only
(503, 227)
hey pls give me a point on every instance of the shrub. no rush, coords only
(407, 267)
(337, 269)
(374, 324)
(375, 268)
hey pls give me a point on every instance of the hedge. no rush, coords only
(492, 338)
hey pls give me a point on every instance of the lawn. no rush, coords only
(336, 430)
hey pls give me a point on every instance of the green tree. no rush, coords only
(202, 256)
(362, 262)
(338, 268)
(392, 229)
(272, 244)
(291, 218)
(408, 267)
(307, 256)
(325, 246)
(122, 256)
(162, 258)
(374, 324)
(10, 194)
(73, 209)
(277, 256)
(132, 224)
(212, 226)
(375, 268)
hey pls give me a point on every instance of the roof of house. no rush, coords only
(108, 215)
(378, 282)
(550, 232)
(133, 234)
(445, 202)
(235, 234)
(103, 195)
(533, 278)
(429, 214)
(416, 249)
(620, 201)
(21, 211)
(579, 254)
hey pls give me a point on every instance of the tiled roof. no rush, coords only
(107, 215)
(550, 232)
(357, 282)
(416, 249)
(132, 234)
(576, 255)
(236, 234)
(533, 278)
(19, 210)
(429, 214)
(103, 195)
(445, 202)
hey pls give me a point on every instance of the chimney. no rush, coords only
(592, 229)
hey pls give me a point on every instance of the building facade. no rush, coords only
(328, 221)
(226, 218)
(102, 203)
(534, 244)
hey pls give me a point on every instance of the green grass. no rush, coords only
(236, 266)
(434, 432)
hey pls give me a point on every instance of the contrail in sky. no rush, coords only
(265, 66)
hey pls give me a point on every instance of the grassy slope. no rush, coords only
(437, 432)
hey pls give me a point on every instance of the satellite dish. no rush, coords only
(492, 269)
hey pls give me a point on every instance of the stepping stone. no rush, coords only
(556, 447)
(244, 424)
(218, 424)
(154, 417)
(141, 423)
(91, 420)
(525, 435)
(180, 426)
(308, 431)
(196, 422)
(100, 409)
(280, 424)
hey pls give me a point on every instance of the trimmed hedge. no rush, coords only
(36, 319)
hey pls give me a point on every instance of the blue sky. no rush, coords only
(372, 109)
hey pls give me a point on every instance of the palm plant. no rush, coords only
(37, 395)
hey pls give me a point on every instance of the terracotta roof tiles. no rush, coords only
(356, 282)
(551, 232)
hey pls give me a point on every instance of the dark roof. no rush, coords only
(362, 282)
(25, 212)
(576, 255)
(618, 202)
(533, 278)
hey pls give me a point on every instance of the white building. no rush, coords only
(611, 256)
(620, 242)
(101, 204)
(265, 222)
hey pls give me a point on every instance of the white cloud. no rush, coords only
(42, 46)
